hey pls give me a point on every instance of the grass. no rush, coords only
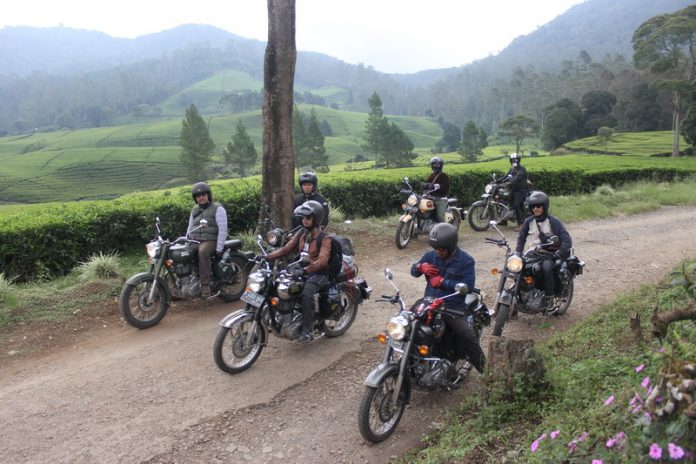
(597, 380)
(630, 143)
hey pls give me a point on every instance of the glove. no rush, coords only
(219, 254)
(428, 269)
(436, 281)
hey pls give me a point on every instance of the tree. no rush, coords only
(376, 127)
(563, 123)
(325, 127)
(604, 135)
(689, 126)
(665, 45)
(315, 150)
(644, 111)
(197, 146)
(474, 140)
(398, 148)
(519, 127)
(241, 150)
(278, 183)
(299, 136)
(596, 106)
(451, 137)
(391, 146)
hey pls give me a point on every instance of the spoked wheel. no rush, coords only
(404, 232)
(378, 416)
(236, 348)
(335, 328)
(232, 291)
(561, 303)
(457, 218)
(478, 217)
(135, 304)
(501, 317)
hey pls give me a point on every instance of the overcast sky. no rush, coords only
(395, 36)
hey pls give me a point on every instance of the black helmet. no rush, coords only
(538, 198)
(311, 209)
(308, 176)
(515, 158)
(444, 235)
(436, 164)
(201, 187)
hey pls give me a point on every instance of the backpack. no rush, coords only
(339, 247)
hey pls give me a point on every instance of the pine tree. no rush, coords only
(196, 143)
(241, 150)
(315, 150)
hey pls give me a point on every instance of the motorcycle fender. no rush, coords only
(231, 318)
(375, 377)
(505, 297)
(132, 280)
(405, 217)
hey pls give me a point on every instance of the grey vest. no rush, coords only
(209, 232)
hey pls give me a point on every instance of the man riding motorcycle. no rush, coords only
(445, 266)
(519, 186)
(308, 187)
(540, 227)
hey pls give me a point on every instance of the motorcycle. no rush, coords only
(173, 273)
(274, 305)
(420, 214)
(521, 286)
(495, 205)
(420, 353)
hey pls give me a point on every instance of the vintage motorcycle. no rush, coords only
(420, 215)
(420, 353)
(521, 286)
(495, 205)
(173, 273)
(274, 305)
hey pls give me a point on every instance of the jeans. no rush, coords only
(467, 342)
(314, 284)
(205, 251)
(440, 208)
(518, 198)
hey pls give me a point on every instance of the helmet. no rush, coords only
(436, 164)
(538, 198)
(515, 158)
(201, 187)
(444, 235)
(308, 176)
(311, 209)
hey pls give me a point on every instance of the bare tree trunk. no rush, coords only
(278, 78)
(676, 119)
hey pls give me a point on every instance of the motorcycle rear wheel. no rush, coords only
(377, 417)
(133, 302)
(232, 291)
(404, 232)
(477, 218)
(231, 352)
(337, 328)
(562, 303)
(501, 316)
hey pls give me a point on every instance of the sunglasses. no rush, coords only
(535, 206)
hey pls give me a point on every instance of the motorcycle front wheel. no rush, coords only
(478, 217)
(501, 317)
(378, 417)
(232, 351)
(232, 291)
(135, 308)
(404, 232)
(562, 302)
(336, 328)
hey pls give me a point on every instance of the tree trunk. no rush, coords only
(278, 182)
(513, 366)
(676, 119)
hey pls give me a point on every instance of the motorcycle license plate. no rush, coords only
(252, 298)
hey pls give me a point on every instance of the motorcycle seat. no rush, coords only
(234, 244)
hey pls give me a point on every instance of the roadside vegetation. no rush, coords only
(607, 397)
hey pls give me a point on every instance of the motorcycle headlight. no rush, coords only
(273, 237)
(412, 200)
(397, 327)
(488, 188)
(152, 249)
(256, 282)
(514, 263)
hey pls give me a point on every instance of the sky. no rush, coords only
(393, 36)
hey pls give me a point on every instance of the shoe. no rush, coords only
(548, 303)
(305, 337)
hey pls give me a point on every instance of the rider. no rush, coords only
(445, 266)
(517, 178)
(540, 227)
(212, 236)
(440, 194)
(308, 185)
(311, 214)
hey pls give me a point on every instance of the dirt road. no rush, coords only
(117, 394)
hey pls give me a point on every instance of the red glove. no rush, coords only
(436, 281)
(428, 269)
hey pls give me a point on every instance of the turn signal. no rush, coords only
(529, 280)
(382, 338)
(274, 301)
(169, 263)
(495, 271)
(423, 350)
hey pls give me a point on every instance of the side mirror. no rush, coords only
(436, 186)
(405, 179)
(204, 222)
(304, 258)
(493, 223)
(388, 274)
(461, 288)
(554, 240)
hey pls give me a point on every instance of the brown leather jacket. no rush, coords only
(318, 259)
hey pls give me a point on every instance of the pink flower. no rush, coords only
(609, 400)
(648, 417)
(675, 452)
(662, 349)
(640, 368)
(554, 434)
(645, 382)
(535, 443)
(583, 436)
(655, 451)
(597, 461)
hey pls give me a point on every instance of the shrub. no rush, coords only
(100, 266)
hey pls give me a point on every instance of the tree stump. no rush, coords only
(514, 367)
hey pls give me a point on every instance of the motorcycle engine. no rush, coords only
(533, 301)
(189, 287)
(291, 325)
(426, 225)
(182, 270)
(432, 375)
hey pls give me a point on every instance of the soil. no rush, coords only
(97, 390)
